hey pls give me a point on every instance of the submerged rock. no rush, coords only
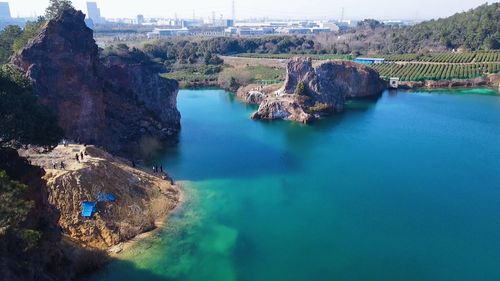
(111, 102)
(310, 92)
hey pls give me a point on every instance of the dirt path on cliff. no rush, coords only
(143, 199)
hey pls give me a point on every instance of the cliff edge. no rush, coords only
(111, 102)
(128, 200)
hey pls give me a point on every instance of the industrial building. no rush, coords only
(94, 13)
(369, 60)
(4, 11)
(163, 32)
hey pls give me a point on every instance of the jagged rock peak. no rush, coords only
(114, 103)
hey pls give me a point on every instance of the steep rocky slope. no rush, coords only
(310, 92)
(141, 198)
(114, 103)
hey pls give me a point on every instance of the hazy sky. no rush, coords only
(323, 9)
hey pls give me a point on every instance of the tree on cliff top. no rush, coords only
(22, 120)
(56, 7)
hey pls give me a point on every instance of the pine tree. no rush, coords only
(56, 7)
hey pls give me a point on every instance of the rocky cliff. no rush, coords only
(110, 102)
(310, 92)
(140, 198)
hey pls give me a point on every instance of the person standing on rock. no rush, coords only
(161, 168)
(62, 165)
(81, 155)
(77, 160)
(53, 164)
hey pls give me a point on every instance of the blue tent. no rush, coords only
(106, 197)
(88, 209)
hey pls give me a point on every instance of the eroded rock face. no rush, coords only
(111, 102)
(310, 92)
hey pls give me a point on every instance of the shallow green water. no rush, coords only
(403, 188)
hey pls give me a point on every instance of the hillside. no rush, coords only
(140, 198)
(476, 29)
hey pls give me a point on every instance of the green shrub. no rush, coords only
(301, 89)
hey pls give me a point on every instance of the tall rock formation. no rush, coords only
(310, 92)
(110, 102)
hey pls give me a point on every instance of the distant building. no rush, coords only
(249, 31)
(189, 23)
(228, 23)
(369, 60)
(318, 30)
(330, 25)
(298, 30)
(4, 11)
(94, 13)
(162, 32)
(140, 19)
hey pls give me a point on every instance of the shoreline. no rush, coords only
(160, 223)
(404, 85)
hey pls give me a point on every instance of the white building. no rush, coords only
(162, 32)
(94, 13)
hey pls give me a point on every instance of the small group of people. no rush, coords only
(61, 164)
(79, 157)
(156, 170)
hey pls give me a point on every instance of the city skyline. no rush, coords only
(313, 9)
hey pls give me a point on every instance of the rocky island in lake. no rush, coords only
(310, 92)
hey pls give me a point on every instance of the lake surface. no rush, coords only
(406, 187)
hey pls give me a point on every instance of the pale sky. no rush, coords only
(296, 9)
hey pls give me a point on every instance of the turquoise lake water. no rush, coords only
(406, 187)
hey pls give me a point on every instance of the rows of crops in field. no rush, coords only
(424, 71)
(490, 56)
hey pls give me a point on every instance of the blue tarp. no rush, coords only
(88, 209)
(106, 197)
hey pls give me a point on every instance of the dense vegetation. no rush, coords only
(23, 120)
(477, 29)
(430, 71)
(195, 50)
(288, 56)
(13, 212)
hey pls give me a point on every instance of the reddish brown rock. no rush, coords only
(100, 101)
